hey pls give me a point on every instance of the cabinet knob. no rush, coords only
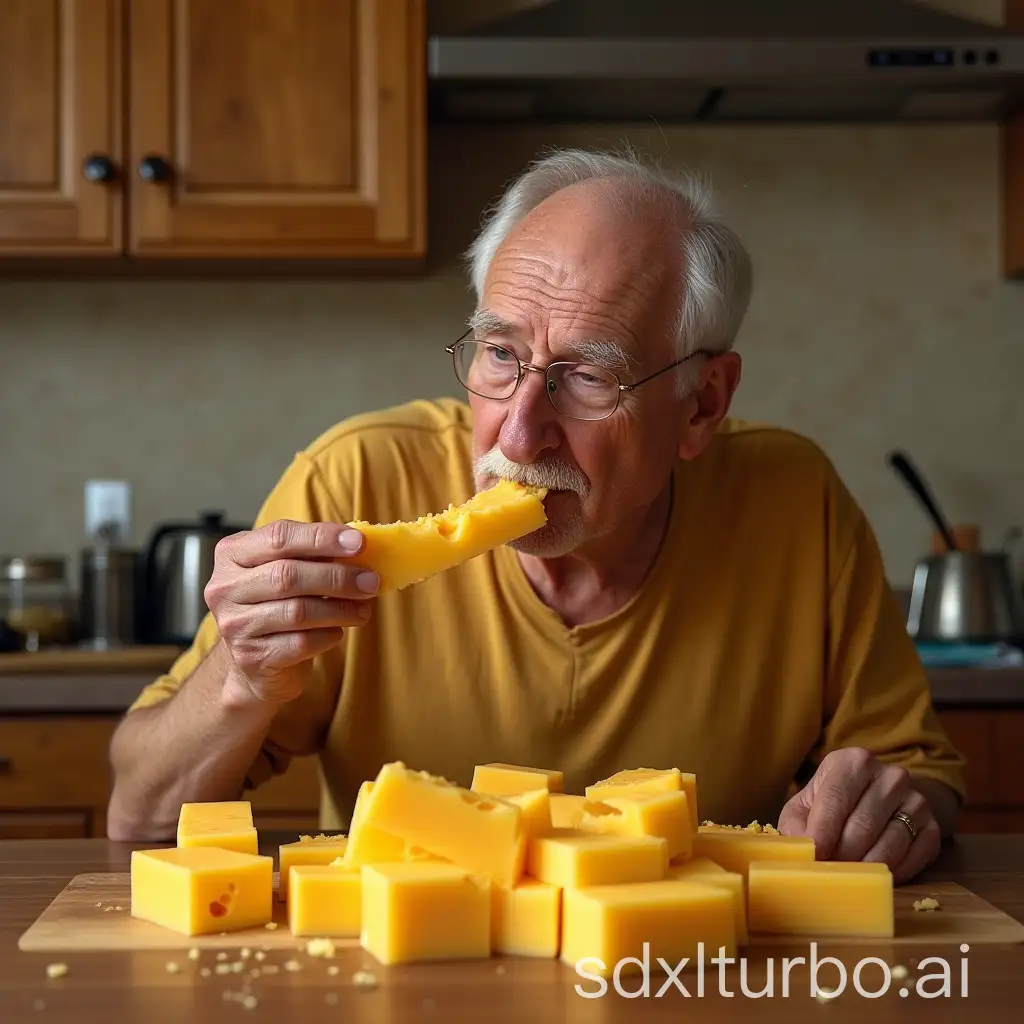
(99, 167)
(155, 168)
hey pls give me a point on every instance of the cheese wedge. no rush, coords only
(570, 858)
(503, 779)
(226, 824)
(643, 814)
(535, 805)
(648, 780)
(319, 849)
(404, 553)
(735, 849)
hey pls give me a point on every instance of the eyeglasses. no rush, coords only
(580, 391)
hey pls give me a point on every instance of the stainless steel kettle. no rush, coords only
(179, 563)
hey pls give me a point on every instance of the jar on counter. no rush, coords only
(35, 600)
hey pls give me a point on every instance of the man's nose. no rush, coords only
(530, 426)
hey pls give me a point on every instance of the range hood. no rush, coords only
(726, 60)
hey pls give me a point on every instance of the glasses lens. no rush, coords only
(486, 370)
(582, 391)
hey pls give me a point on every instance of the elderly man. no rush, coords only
(705, 594)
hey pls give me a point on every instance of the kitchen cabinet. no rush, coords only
(180, 130)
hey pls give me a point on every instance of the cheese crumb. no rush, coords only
(119, 908)
(270, 926)
(172, 967)
(292, 965)
(254, 973)
(38, 1004)
(331, 998)
(500, 969)
(899, 972)
(237, 966)
(364, 979)
(320, 947)
(333, 969)
(250, 1002)
(56, 970)
(245, 952)
(99, 904)
(271, 969)
(204, 972)
(193, 953)
(928, 903)
(260, 955)
(223, 968)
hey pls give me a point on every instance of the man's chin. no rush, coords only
(548, 542)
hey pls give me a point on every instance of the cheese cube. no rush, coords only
(526, 920)
(566, 810)
(308, 850)
(612, 922)
(226, 824)
(734, 849)
(571, 858)
(324, 899)
(648, 780)
(643, 814)
(479, 832)
(199, 890)
(425, 911)
(834, 898)
(366, 843)
(502, 779)
(707, 872)
(535, 805)
(407, 552)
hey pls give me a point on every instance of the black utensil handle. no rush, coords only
(902, 464)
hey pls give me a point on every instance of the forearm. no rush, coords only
(196, 746)
(943, 801)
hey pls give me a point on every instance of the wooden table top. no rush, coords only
(111, 987)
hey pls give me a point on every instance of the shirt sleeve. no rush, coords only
(300, 726)
(877, 694)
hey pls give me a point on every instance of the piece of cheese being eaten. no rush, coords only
(404, 553)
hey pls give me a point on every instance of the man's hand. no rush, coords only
(281, 595)
(849, 807)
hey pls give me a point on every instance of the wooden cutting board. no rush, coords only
(79, 920)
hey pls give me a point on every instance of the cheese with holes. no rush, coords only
(707, 872)
(535, 805)
(408, 552)
(605, 925)
(526, 920)
(504, 779)
(734, 849)
(477, 831)
(324, 899)
(226, 824)
(572, 858)
(201, 890)
(319, 849)
(823, 898)
(566, 809)
(648, 780)
(643, 814)
(425, 911)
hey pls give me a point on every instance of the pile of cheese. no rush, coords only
(514, 866)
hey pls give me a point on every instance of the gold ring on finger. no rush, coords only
(908, 821)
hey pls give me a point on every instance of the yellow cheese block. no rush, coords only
(735, 849)
(405, 553)
(366, 843)
(833, 898)
(324, 899)
(226, 824)
(656, 780)
(425, 911)
(643, 814)
(308, 850)
(526, 920)
(566, 810)
(199, 890)
(535, 805)
(476, 831)
(503, 779)
(707, 872)
(604, 925)
(572, 858)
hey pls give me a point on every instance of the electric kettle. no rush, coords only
(178, 565)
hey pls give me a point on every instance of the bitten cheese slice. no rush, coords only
(571, 858)
(198, 890)
(408, 552)
(566, 809)
(707, 872)
(603, 926)
(505, 779)
(226, 824)
(834, 898)
(476, 831)
(324, 899)
(643, 814)
(535, 805)
(526, 920)
(656, 780)
(368, 844)
(425, 911)
(308, 850)
(734, 849)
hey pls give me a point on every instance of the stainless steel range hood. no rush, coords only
(726, 60)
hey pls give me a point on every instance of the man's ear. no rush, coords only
(706, 406)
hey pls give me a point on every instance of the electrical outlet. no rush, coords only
(108, 508)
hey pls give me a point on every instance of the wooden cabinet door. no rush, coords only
(59, 105)
(289, 128)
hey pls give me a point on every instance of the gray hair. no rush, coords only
(717, 273)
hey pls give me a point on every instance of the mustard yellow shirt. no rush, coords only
(764, 636)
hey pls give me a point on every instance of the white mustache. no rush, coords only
(556, 476)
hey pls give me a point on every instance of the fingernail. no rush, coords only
(367, 582)
(350, 540)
